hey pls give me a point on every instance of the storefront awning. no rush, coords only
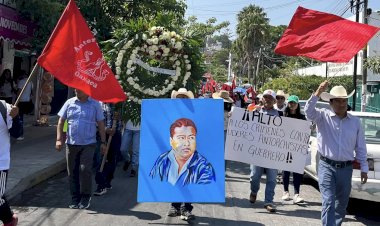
(13, 28)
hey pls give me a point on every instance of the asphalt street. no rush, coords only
(47, 204)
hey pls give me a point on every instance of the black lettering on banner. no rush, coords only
(289, 158)
(246, 116)
(237, 146)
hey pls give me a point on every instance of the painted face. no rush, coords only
(268, 101)
(339, 105)
(183, 142)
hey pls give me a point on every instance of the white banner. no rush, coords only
(154, 69)
(267, 141)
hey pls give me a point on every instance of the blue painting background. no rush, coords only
(157, 116)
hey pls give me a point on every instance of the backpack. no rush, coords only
(15, 130)
(3, 110)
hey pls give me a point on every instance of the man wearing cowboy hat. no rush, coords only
(280, 100)
(340, 141)
(182, 93)
(269, 98)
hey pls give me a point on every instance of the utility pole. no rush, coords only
(365, 53)
(229, 67)
(355, 76)
(257, 68)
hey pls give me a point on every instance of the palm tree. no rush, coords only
(252, 30)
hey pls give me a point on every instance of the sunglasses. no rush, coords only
(280, 98)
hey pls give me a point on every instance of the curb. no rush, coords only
(36, 178)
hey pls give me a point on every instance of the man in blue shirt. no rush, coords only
(83, 114)
(340, 134)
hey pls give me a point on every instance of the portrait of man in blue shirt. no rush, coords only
(183, 164)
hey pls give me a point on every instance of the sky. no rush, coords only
(279, 12)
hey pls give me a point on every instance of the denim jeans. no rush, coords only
(256, 173)
(335, 187)
(131, 138)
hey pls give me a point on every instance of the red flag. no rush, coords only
(73, 56)
(233, 82)
(323, 36)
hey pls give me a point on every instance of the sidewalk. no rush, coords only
(34, 159)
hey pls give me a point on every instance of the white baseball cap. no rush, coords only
(269, 92)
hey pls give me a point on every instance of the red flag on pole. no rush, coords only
(233, 82)
(73, 56)
(323, 36)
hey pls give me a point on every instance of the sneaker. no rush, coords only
(133, 173)
(173, 212)
(286, 196)
(74, 205)
(270, 208)
(108, 187)
(20, 138)
(85, 202)
(297, 199)
(187, 215)
(13, 222)
(126, 165)
(252, 197)
(100, 191)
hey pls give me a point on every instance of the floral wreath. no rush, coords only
(151, 64)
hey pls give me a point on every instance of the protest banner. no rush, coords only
(268, 141)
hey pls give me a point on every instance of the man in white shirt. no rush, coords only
(7, 112)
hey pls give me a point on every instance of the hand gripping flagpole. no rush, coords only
(114, 124)
(26, 83)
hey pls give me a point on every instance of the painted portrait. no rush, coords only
(183, 164)
(181, 151)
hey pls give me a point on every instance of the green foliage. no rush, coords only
(252, 30)
(101, 15)
(304, 86)
(204, 30)
(45, 14)
(373, 63)
(224, 39)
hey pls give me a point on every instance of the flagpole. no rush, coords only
(26, 83)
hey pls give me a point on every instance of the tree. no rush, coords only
(373, 63)
(103, 16)
(304, 86)
(224, 39)
(205, 30)
(252, 29)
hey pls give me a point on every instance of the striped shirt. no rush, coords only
(338, 139)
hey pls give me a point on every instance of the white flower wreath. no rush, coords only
(157, 44)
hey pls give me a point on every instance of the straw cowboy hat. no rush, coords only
(182, 91)
(223, 94)
(336, 92)
(282, 93)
